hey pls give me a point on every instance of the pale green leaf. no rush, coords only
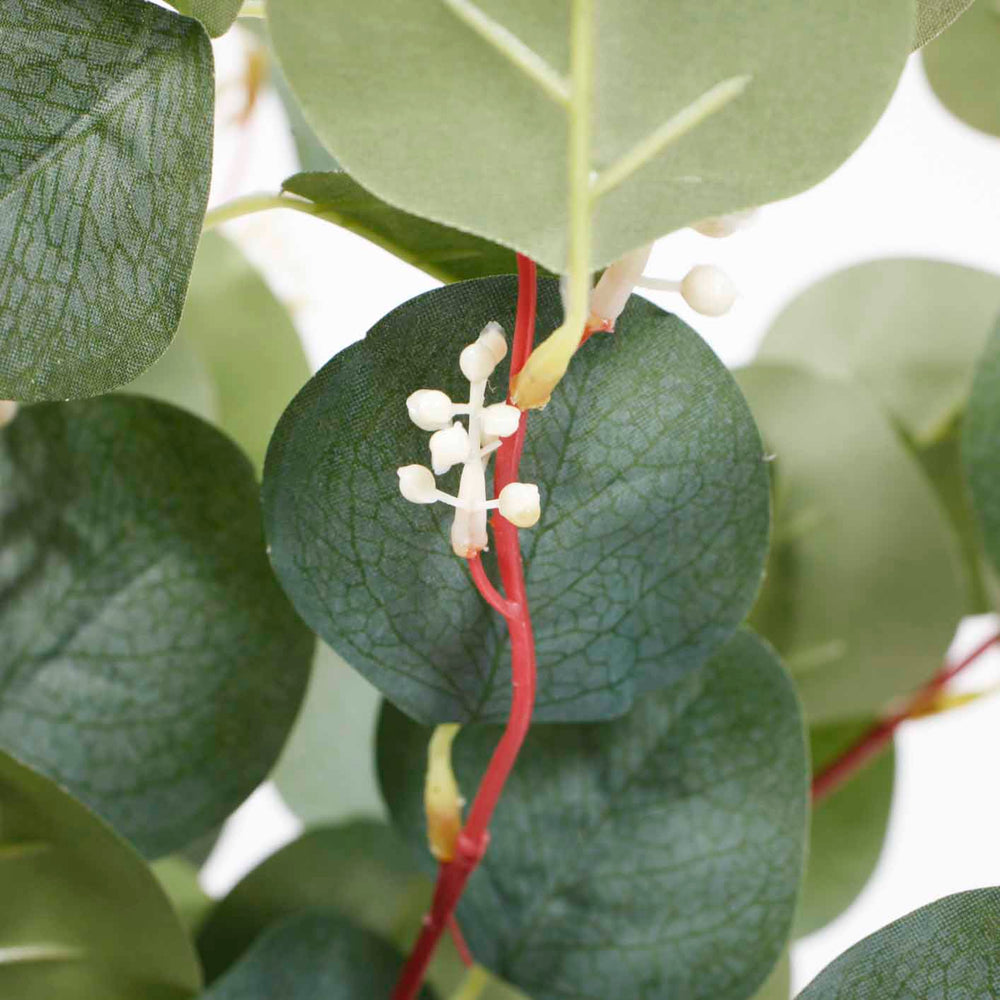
(313, 955)
(150, 662)
(216, 15)
(457, 110)
(652, 538)
(949, 950)
(864, 587)
(963, 67)
(779, 984)
(979, 446)
(933, 16)
(82, 916)
(658, 855)
(444, 253)
(847, 830)
(179, 879)
(239, 337)
(106, 113)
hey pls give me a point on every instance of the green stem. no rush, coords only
(476, 980)
(251, 203)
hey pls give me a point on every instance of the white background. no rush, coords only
(923, 184)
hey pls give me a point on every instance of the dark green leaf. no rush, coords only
(82, 917)
(652, 538)
(909, 331)
(963, 67)
(216, 15)
(310, 956)
(362, 870)
(436, 118)
(326, 771)
(656, 855)
(864, 587)
(933, 16)
(778, 985)
(106, 112)
(150, 662)
(979, 446)
(237, 333)
(847, 830)
(948, 950)
(445, 253)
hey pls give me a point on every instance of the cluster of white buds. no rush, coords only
(706, 288)
(453, 444)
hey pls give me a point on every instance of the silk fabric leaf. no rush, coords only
(979, 446)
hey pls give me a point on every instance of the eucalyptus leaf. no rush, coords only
(237, 332)
(864, 587)
(652, 538)
(847, 827)
(106, 107)
(361, 869)
(658, 855)
(963, 67)
(326, 771)
(909, 331)
(778, 985)
(150, 662)
(216, 15)
(459, 111)
(82, 916)
(979, 446)
(179, 879)
(443, 252)
(933, 16)
(949, 949)
(311, 955)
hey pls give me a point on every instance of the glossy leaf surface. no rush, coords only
(652, 538)
(864, 587)
(106, 109)
(150, 661)
(81, 916)
(627, 857)
(481, 142)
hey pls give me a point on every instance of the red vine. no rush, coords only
(473, 840)
(876, 739)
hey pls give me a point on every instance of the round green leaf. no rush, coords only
(241, 336)
(216, 15)
(963, 67)
(457, 110)
(778, 985)
(979, 446)
(656, 855)
(445, 253)
(326, 771)
(150, 662)
(933, 16)
(179, 879)
(83, 917)
(103, 182)
(847, 830)
(949, 949)
(652, 538)
(312, 955)
(864, 588)
(909, 331)
(180, 377)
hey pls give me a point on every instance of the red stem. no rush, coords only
(458, 939)
(876, 739)
(473, 840)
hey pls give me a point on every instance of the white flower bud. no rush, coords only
(520, 504)
(500, 419)
(709, 290)
(477, 362)
(493, 339)
(448, 447)
(416, 483)
(725, 225)
(468, 530)
(429, 409)
(616, 285)
(8, 410)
